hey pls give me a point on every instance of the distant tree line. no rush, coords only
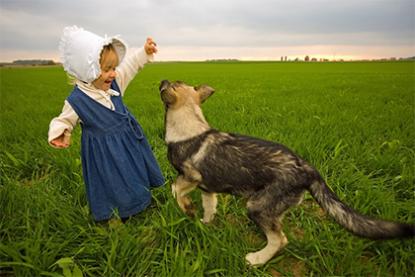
(310, 59)
(34, 62)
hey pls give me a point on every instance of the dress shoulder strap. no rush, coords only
(78, 102)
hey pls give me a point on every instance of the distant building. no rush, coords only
(307, 59)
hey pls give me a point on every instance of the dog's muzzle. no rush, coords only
(164, 85)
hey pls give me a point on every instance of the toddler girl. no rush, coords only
(118, 165)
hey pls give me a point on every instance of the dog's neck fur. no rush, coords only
(185, 123)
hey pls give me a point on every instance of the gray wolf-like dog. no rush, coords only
(271, 177)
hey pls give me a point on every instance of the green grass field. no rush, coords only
(354, 121)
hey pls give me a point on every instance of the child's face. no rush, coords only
(109, 62)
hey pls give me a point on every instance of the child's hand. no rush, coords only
(61, 142)
(150, 46)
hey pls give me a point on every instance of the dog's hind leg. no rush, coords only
(267, 213)
(209, 202)
(180, 188)
(276, 240)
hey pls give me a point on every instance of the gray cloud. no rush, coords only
(37, 25)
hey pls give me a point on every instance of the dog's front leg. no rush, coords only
(209, 202)
(180, 188)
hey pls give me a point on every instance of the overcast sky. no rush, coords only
(209, 29)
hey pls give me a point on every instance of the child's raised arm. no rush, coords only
(134, 60)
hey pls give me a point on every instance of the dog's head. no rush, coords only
(177, 94)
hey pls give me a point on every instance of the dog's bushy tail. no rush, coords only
(354, 222)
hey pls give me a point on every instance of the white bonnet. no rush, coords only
(80, 52)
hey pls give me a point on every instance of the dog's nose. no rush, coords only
(163, 85)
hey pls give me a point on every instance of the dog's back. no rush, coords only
(241, 165)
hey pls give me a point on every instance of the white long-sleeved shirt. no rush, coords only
(134, 60)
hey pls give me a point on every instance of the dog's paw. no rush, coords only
(207, 219)
(255, 259)
(284, 241)
(190, 210)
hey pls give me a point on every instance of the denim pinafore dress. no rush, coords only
(118, 165)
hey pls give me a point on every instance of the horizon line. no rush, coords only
(281, 59)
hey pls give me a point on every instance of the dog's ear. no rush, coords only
(204, 92)
(167, 97)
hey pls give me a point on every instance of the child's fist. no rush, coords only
(150, 46)
(62, 141)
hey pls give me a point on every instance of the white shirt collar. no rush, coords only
(89, 87)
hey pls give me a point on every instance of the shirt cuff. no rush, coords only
(143, 57)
